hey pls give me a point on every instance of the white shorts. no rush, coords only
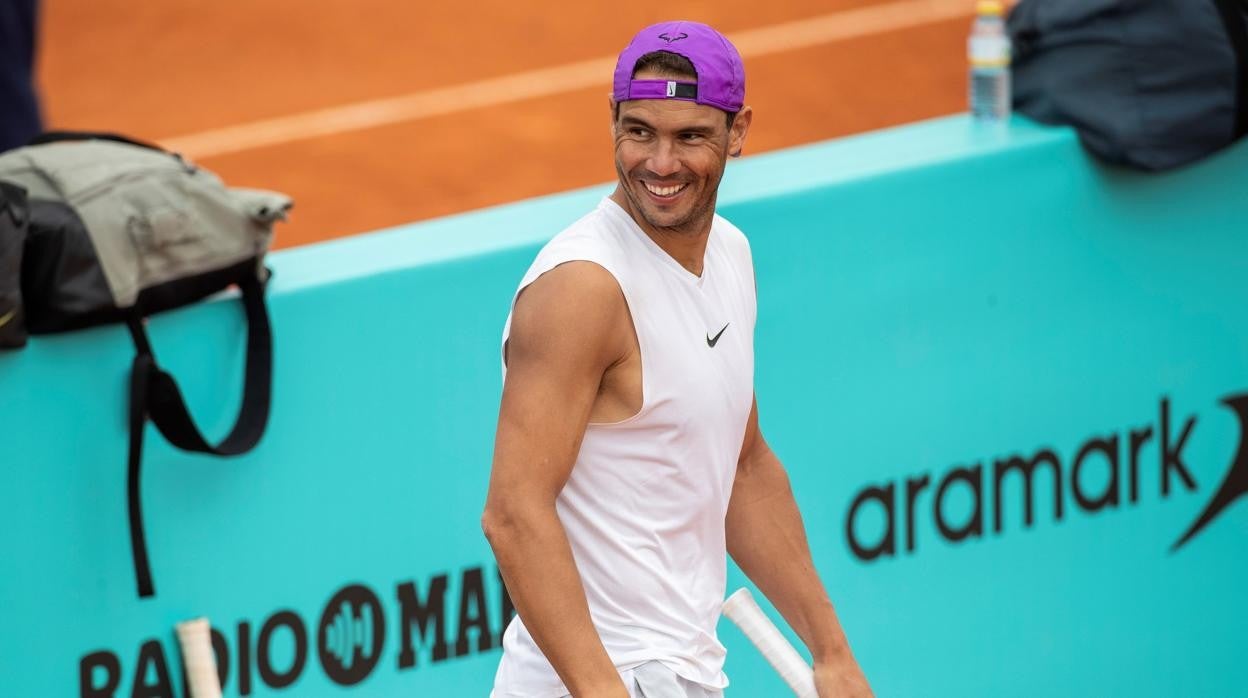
(653, 680)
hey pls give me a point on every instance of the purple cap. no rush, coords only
(721, 76)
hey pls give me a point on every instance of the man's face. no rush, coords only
(670, 156)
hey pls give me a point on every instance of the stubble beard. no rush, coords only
(697, 221)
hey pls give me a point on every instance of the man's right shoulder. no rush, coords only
(593, 231)
(572, 313)
(573, 284)
(589, 241)
(571, 300)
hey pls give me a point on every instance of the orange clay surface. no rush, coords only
(161, 70)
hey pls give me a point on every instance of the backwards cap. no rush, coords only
(721, 76)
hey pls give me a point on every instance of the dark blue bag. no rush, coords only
(1149, 84)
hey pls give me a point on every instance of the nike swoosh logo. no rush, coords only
(711, 342)
(9, 316)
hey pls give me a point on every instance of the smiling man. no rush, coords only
(628, 460)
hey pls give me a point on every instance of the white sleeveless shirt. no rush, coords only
(645, 503)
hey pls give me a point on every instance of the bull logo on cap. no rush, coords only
(669, 39)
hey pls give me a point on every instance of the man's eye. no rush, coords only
(639, 132)
(690, 137)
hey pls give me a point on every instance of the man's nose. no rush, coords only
(664, 160)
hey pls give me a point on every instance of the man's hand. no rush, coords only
(767, 539)
(841, 680)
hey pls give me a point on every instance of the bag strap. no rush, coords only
(168, 409)
(62, 136)
(1235, 18)
(154, 394)
(13, 203)
(140, 377)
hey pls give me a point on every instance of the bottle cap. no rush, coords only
(992, 8)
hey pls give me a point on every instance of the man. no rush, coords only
(628, 459)
(19, 115)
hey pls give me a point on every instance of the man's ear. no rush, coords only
(615, 110)
(740, 128)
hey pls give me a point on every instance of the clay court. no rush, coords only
(373, 113)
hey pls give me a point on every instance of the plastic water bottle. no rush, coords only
(989, 53)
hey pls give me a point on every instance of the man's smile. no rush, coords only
(664, 193)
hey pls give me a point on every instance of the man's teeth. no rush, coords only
(664, 191)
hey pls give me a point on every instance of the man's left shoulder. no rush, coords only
(730, 234)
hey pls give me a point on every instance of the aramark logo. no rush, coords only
(1105, 453)
(1235, 484)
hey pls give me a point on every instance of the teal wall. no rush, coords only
(931, 298)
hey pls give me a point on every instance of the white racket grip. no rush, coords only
(741, 609)
(198, 660)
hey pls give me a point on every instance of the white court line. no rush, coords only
(815, 31)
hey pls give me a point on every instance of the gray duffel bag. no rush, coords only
(118, 230)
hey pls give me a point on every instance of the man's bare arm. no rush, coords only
(767, 539)
(568, 327)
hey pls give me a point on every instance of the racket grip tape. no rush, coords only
(742, 610)
(198, 660)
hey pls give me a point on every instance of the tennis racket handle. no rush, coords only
(198, 660)
(742, 610)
